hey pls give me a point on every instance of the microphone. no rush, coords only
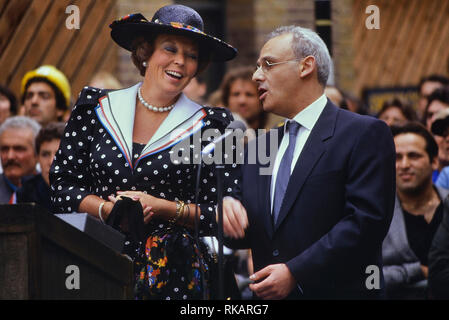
(207, 150)
(228, 131)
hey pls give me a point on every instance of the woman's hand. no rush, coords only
(147, 201)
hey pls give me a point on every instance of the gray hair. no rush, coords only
(21, 122)
(307, 42)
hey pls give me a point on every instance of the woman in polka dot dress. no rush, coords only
(121, 143)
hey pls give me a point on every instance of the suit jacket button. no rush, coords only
(275, 252)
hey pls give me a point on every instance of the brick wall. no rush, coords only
(250, 21)
(342, 42)
(241, 30)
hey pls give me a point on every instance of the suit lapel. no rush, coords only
(265, 184)
(265, 203)
(310, 154)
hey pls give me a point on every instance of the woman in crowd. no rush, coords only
(119, 144)
(395, 112)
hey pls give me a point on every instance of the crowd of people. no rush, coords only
(348, 188)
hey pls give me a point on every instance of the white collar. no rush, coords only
(308, 116)
(117, 112)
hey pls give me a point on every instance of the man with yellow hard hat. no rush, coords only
(45, 94)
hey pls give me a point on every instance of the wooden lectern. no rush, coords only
(43, 257)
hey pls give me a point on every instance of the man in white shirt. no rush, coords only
(316, 225)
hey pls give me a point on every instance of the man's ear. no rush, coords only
(306, 67)
(435, 163)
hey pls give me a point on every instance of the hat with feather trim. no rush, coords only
(173, 19)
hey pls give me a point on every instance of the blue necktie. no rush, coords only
(283, 174)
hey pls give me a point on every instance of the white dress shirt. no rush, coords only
(307, 119)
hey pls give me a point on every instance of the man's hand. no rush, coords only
(425, 271)
(277, 282)
(235, 219)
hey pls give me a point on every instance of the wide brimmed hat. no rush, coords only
(177, 19)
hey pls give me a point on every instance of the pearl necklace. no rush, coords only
(149, 106)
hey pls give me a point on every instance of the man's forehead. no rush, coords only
(277, 46)
(39, 87)
(17, 134)
(409, 139)
(437, 104)
(429, 86)
(50, 143)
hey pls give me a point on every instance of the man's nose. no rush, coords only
(34, 99)
(258, 74)
(404, 162)
(10, 154)
(241, 99)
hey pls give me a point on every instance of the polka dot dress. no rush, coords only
(89, 161)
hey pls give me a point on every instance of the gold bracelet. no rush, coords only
(179, 212)
(185, 219)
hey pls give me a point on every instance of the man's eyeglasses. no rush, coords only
(266, 65)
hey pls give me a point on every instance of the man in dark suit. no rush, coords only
(316, 224)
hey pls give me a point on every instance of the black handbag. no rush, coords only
(127, 217)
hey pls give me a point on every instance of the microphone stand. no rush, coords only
(220, 236)
(219, 172)
(197, 219)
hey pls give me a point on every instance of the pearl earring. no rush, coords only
(144, 64)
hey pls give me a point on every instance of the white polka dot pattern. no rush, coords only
(89, 162)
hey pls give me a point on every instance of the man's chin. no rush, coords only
(37, 118)
(12, 175)
(267, 107)
(249, 117)
(411, 189)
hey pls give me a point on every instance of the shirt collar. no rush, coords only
(308, 116)
(11, 185)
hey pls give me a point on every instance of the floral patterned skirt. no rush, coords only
(173, 266)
